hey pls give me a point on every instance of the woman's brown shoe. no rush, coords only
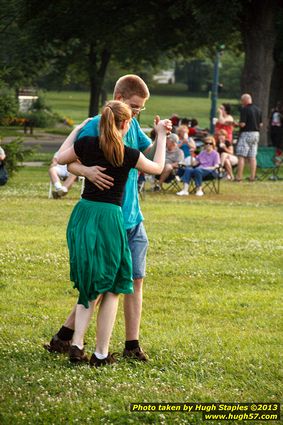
(76, 355)
(94, 361)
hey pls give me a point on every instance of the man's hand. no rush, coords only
(96, 176)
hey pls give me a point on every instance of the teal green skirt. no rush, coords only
(100, 258)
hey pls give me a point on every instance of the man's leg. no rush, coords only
(53, 174)
(252, 154)
(138, 244)
(252, 162)
(133, 311)
(240, 168)
(167, 170)
(70, 180)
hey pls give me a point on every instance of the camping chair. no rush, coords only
(267, 166)
(172, 184)
(210, 184)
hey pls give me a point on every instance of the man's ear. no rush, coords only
(118, 97)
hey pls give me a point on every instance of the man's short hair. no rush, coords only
(131, 85)
(173, 137)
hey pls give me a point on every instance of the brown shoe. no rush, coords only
(76, 355)
(57, 345)
(136, 354)
(94, 361)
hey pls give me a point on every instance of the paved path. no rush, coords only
(45, 142)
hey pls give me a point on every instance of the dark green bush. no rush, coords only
(8, 105)
(15, 154)
(40, 119)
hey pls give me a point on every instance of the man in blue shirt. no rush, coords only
(133, 91)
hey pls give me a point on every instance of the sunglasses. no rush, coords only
(209, 143)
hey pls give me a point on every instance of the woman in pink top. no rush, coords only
(205, 164)
(225, 121)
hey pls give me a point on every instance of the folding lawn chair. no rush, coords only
(210, 184)
(172, 184)
(141, 185)
(267, 166)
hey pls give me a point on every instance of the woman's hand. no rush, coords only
(162, 126)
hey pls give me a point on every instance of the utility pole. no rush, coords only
(215, 84)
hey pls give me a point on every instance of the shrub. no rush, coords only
(8, 105)
(15, 154)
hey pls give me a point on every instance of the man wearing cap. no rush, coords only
(174, 155)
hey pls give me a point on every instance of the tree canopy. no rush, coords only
(84, 36)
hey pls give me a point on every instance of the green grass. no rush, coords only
(211, 318)
(75, 105)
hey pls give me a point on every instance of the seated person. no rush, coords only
(226, 151)
(204, 164)
(57, 173)
(175, 122)
(173, 157)
(2, 154)
(185, 142)
(3, 171)
(196, 131)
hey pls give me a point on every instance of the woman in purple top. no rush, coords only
(205, 164)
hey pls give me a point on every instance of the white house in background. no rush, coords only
(165, 77)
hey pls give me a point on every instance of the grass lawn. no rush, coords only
(211, 319)
(75, 105)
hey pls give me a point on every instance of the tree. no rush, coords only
(259, 35)
(276, 89)
(248, 25)
(99, 32)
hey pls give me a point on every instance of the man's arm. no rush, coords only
(72, 137)
(149, 152)
(94, 174)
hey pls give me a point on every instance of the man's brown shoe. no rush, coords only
(136, 354)
(94, 361)
(76, 355)
(57, 345)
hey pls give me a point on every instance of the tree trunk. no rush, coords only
(276, 89)
(97, 73)
(259, 39)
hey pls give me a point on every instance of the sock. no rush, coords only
(131, 345)
(57, 185)
(66, 334)
(81, 347)
(100, 356)
(186, 187)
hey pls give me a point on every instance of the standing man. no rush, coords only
(133, 91)
(250, 123)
